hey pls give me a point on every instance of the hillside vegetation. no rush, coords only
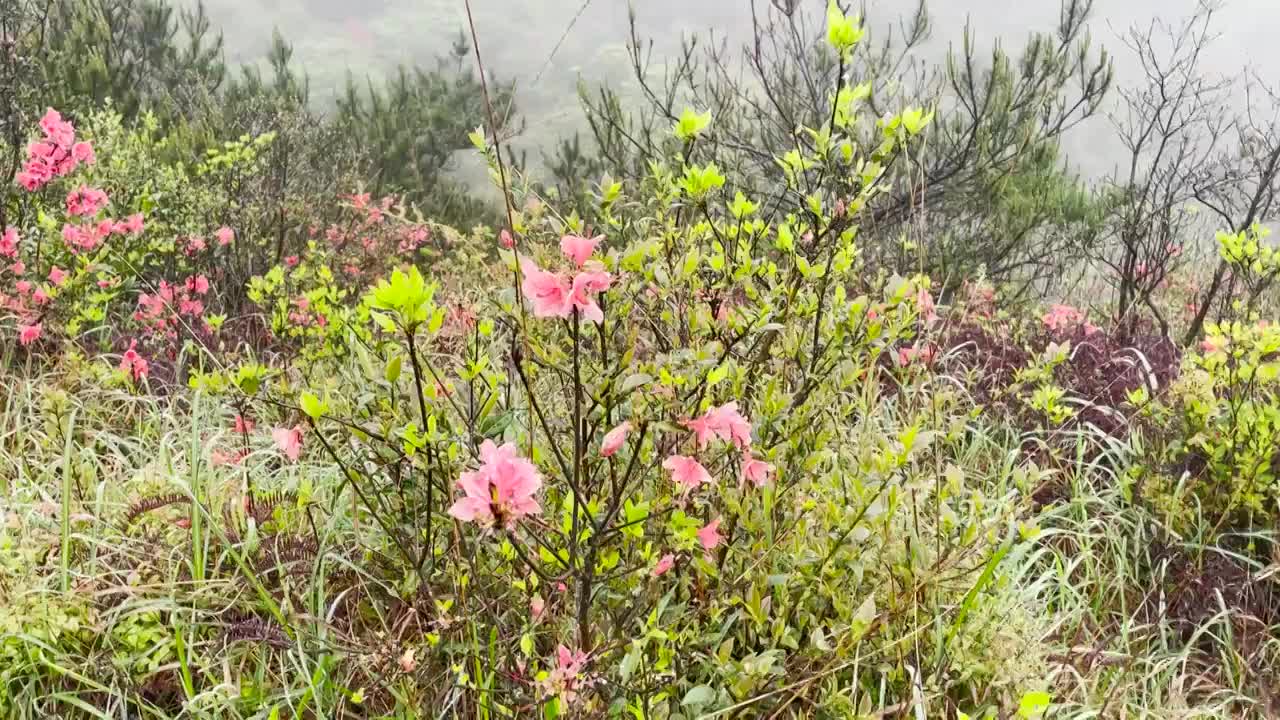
(806, 383)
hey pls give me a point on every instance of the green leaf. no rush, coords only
(691, 124)
(1034, 704)
(392, 371)
(634, 381)
(311, 405)
(718, 374)
(700, 695)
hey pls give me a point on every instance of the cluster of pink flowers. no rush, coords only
(566, 680)
(28, 334)
(303, 316)
(908, 355)
(9, 244)
(501, 490)
(54, 156)
(1065, 318)
(727, 424)
(133, 363)
(555, 295)
(224, 235)
(161, 312)
(724, 422)
(85, 201)
(86, 237)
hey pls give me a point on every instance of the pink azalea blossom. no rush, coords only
(86, 201)
(565, 679)
(686, 471)
(219, 457)
(754, 470)
(291, 260)
(548, 292)
(709, 535)
(224, 235)
(502, 489)
(724, 422)
(133, 224)
(28, 334)
(18, 267)
(584, 284)
(23, 287)
(1061, 318)
(289, 441)
(198, 284)
(615, 439)
(536, 606)
(242, 425)
(665, 563)
(925, 305)
(83, 152)
(40, 296)
(579, 249)
(506, 240)
(57, 275)
(133, 363)
(9, 243)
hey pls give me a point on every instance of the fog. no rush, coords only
(546, 46)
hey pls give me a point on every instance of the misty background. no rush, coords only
(547, 47)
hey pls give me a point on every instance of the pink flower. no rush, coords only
(908, 355)
(40, 296)
(501, 489)
(29, 180)
(23, 287)
(18, 267)
(564, 680)
(219, 457)
(585, 283)
(614, 439)
(83, 152)
(28, 334)
(709, 535)
(133, 224)
(724, 422)
(133, 363)
(224, 235)
(506, 240)
(536, 606)
(86, 201)
(665, 563)
(56, 129)
(57, 275)
(547, 291)
(686, 471)
(195, 245)
(291, 261)
(1063, 318)
(198, 284)
(579, 249)
(9, 243)
(924, 304)
(754, 470)
(289, 441)
(242, 425)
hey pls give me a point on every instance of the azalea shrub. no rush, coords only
(648, 470)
